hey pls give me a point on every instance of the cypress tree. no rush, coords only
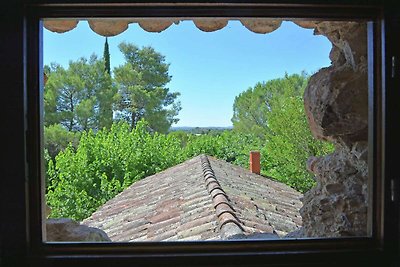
(107, 93)
(106, 56)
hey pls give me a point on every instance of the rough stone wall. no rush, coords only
(68, 230)
(336, 104)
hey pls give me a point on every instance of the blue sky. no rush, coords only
(208, 69)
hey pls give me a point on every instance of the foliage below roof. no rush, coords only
(200, 199)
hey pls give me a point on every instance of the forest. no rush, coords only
(106, 129)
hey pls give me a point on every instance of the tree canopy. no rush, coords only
(86, 95)
(79, 97)
(275, 111)
(106, 57)
(250, 111)
(142, 89)
(82, 178)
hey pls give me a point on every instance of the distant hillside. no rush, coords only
(199, 130)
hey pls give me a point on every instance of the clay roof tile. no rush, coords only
(200, 199)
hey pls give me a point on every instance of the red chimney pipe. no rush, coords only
(255, 166)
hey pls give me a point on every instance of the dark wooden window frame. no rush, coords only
(26, 247)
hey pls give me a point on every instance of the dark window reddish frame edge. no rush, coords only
(357, 250)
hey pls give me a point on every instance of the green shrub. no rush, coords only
(229, 146)
(274, 111)
(103, 165)
(289, 142)
(57, 138)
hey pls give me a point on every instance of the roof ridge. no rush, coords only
(228, 222)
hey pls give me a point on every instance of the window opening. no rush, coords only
(117, 171)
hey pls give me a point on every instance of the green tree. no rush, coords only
(290, 142)
(280, 117)
(57, 138)
(233, 147)
(79, 97)
(107, 94)
(142, 89)
(106, 57)
(104, 163)
(250, 110)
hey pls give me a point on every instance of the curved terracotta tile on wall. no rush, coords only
(261, 25)
(108, 28)
(155, 25)
(210, 25)
(60, 26)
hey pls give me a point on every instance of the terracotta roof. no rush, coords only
(200, 199)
